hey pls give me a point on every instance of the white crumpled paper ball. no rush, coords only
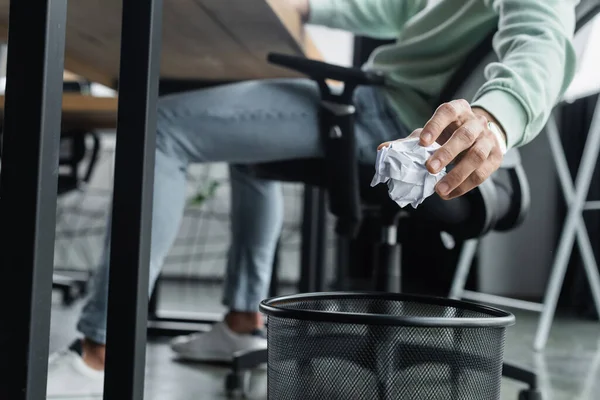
(402, 166)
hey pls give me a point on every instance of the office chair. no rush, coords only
(74, 151)
(501, 203)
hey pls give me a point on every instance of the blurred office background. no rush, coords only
(514, 264)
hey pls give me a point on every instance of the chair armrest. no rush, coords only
(340, 175)
(322, 71)
(521, 192)
(96, 147)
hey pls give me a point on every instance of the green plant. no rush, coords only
(205, 192)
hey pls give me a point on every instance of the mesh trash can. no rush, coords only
(359, 346)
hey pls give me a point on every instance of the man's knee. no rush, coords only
(168, 136)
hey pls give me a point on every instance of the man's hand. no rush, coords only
(302, 6)
(466, 141)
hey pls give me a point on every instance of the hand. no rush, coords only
(302, 6)
(466, 140)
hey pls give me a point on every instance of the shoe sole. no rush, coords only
(209, 359)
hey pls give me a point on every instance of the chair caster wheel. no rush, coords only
(69, 295)
(234, 385)
(530, 395)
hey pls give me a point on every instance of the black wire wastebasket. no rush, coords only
(383, 346)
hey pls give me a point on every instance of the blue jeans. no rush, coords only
(241, 123)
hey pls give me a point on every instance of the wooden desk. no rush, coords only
(214, 40)
(84, 112)
(202, 40)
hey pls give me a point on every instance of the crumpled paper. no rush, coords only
(402, 166)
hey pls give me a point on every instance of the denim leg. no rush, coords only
(256, 220)
(169, 202)
(240, 123)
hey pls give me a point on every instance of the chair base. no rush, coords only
(166, 324)
(244, 362)
(71, 288)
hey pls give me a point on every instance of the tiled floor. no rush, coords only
(569, 368)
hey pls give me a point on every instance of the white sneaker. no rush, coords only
(70, 378)
(218, 345)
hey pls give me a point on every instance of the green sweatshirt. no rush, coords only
(533, 44)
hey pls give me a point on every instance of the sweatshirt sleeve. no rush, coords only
(374, 18)
(536, 65)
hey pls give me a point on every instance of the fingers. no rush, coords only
(475, 167)
(382, 145)
(446, 114)
(471, 147)
(462, 139)
(476, 178)
(466, 141)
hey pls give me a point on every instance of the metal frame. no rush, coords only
(132, 199)
(279, 307)
(461, 275)
(574, 225)
(574, 229)
(28, 191)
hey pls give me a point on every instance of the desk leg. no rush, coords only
(28, 192)
(132, 200)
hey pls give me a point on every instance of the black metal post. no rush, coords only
(309, 242)
(132, 199)
(28, 187)
(320, 279)
(274, 287)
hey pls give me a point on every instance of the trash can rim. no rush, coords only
(497, 318)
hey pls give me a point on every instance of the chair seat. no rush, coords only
(310, 172)
(465, 217)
